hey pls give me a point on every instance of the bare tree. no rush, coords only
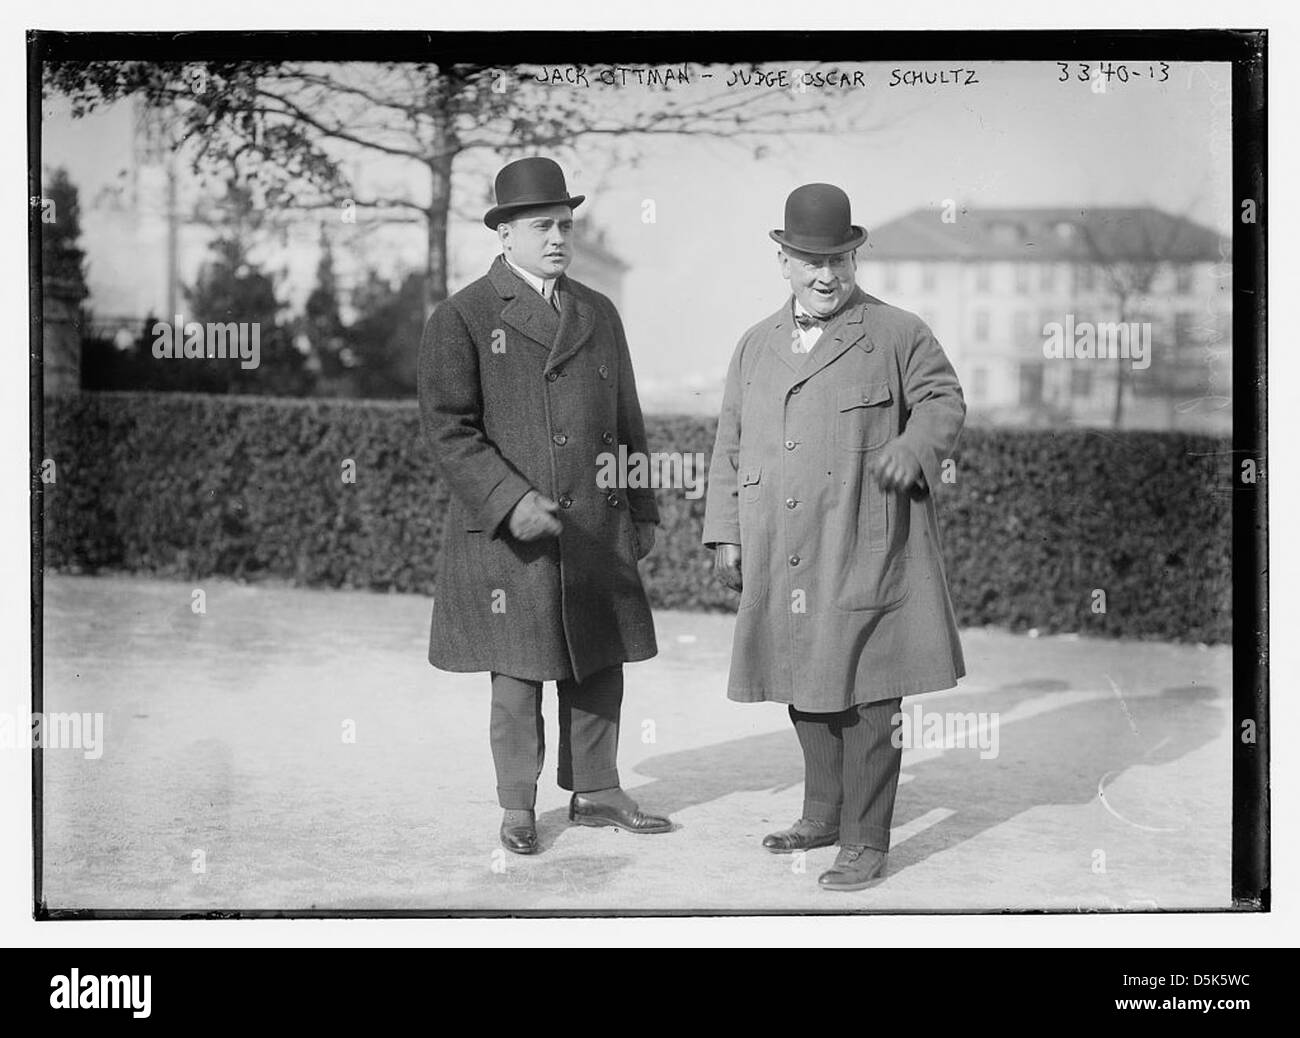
(292, 131)
(1132, 249)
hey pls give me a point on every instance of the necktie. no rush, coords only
(806, 321)
(555, 298)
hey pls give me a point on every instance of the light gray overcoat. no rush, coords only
(844, 596)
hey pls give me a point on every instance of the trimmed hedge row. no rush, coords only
(253, 488)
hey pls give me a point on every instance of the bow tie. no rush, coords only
(806, 321)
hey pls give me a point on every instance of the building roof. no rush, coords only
(1100, 235)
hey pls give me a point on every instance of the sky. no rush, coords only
(705, 270)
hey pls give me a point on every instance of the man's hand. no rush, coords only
(645, 540)
(726, 565)
(894, 467)
(534, 517)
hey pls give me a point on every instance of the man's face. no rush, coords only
(538, 240)
(822, 284)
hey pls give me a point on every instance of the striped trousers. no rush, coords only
(851, 770)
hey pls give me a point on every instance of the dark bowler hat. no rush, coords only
(817, 220)
(528, 184)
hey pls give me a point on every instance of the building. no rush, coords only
(1001, 286)
(148, 228)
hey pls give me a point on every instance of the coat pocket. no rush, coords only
(863, 421)
(751, 483)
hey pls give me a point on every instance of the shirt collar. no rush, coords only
(800, 309)
(543, 285)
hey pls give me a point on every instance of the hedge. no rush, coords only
(252, 488)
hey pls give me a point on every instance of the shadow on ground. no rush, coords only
(1055, 757)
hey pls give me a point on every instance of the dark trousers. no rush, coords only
(589, 715)
(851, 770)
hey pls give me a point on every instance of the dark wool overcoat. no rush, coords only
(844, 597)
(514, 397)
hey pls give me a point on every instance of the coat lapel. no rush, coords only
(841, 333)
(780, 337)
(577, 321)
(525, 310)
(846, 330)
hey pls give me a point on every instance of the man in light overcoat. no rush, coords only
(838, 414)
(525, 381)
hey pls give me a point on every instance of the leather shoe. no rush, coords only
(804, 835)
(855, 868)
(519, 837)
(585, 811)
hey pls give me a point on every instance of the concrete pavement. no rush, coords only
(227, 780)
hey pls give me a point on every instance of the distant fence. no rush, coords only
(251, 488)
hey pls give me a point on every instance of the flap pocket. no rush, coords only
(750, 476)
(865, 395)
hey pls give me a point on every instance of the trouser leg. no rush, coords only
(823, 764)
(518, 740)
(589, 717)
(871, 765)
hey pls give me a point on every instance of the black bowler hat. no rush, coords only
(528, 184)
(817, 220)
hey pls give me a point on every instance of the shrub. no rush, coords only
(189, 486)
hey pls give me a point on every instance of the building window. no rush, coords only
(1031, 384)
(1080, 382)
(891, 277)
(928, 277)
(1184, 275)
(1047, 277)
(1020, 328)
(981, 326)
(1085, 278)
(979, 384)
(1006, 233)
(1184, 330)
(983, 278)
(1022, 279)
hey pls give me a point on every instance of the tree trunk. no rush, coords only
(435, 264)
(444, 154)
(1119, 392)
(1118, 416)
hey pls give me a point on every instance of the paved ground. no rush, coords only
(224, 738)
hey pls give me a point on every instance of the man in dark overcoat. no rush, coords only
(525, 381)
(838, 415)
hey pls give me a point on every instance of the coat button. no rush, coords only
(869, 346)
(796, 389)
(565, 501)
(789, 445)
(794, 560)
(790, 502)
(560, 439)
(607, 437)
(551, 376)
(604, 371)
(612, 499)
